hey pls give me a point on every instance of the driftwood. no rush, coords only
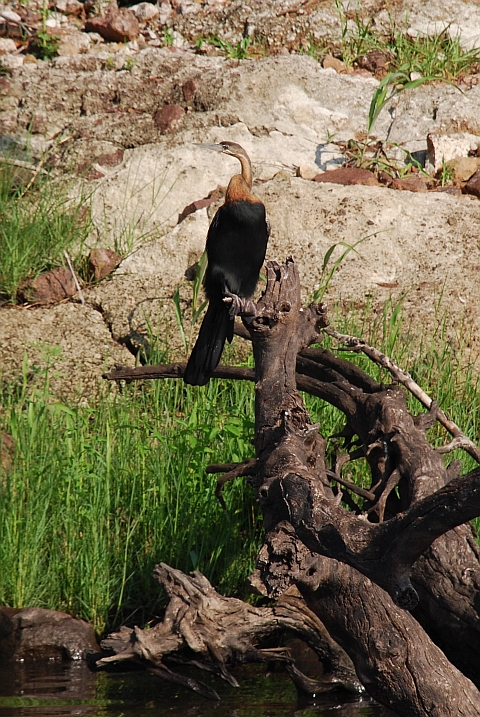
(212, 632)
(401, 545)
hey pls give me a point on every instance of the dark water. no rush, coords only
(66, 689)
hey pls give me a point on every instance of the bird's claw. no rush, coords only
(239, 306)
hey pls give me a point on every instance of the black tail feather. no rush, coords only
(216, 327)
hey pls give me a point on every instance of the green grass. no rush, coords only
(38, 222)
(97, 495)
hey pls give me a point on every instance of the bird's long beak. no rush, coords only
(215, 147)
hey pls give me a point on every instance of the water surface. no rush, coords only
(53, 689)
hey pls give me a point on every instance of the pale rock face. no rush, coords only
(10, 15)
(7, 45)
(145, 11)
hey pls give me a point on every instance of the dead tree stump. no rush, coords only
(401, 545)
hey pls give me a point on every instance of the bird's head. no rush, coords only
(231, 148)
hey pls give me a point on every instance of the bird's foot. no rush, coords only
(239, 306)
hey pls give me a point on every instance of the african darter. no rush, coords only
(236, 245)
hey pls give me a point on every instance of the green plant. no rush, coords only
(434, 55)
(38, 222)
(109, 64)
(168, 37)
(329, 271)
(410, 62)
(45, 45)
(197, 306)
(105, 491)
(446, 174)
(389, 87)
(317, 50)
(236, 52)
(129, 64)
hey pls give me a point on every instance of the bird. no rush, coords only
(236, 245)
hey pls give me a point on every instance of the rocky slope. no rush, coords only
(124, 119)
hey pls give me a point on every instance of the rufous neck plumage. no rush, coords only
(240, 185)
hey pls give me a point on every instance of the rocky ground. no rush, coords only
(131, 90)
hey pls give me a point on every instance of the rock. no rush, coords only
(334, 63)
(78, 335)
(70, 7)
(375, 62)
(12, 62)
(51, 287)
(188, 8)
(384, 178)
(111, 159)
(145, 11)
(463, 168)
(102, 262)
(473, 185)
(37, 634)
(116, 26)
(348, 176)
(188, 90)
(10, 15)
(442, 148)
(167, 118)
(89, 172)
(454, 191)
(8, 122)
(412, 183)
(307, 172)
(328, 157)
(73, 43)
(7, 45)
(152, 258)
(5, 86)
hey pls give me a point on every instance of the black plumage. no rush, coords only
(236, 245)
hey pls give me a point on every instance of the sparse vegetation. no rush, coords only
(436, 55)
(402, 62)
(240, 51)
(129, 64)
(236, 52)
(168, 37)
(45, 44)
(38, 222)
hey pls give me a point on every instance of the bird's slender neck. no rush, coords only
(240, 185)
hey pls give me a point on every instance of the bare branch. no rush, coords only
(352, 343)
(233, 470)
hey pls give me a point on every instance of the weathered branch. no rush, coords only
(206, 630)
(232, 471)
